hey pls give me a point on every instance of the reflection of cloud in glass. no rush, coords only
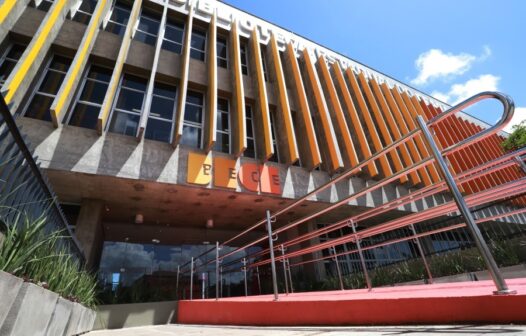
(139, 259)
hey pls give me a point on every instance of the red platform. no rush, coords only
(421, 304)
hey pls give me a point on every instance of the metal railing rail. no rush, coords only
(500, 163)
(459, 204)
(23, 182)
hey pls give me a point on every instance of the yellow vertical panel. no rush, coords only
(210, 126)
(71, 81)
(183, 81)
(239, 132)
(354, 118)
(371, 128)
(283, 102)
(117, 70)
(380, 122)
(394, 128)
(314, 157)
(342, 129)
(400, 121)
(262, 100)
(334, 155)
(28, 60)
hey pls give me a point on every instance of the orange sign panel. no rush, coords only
(253, 177)
(199, 169)
(225, 173)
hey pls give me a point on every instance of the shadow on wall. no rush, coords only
(135, 315)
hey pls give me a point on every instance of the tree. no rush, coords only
(517, 138)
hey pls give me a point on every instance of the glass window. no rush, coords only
(162, 112)
(193, 119)
(8, 61)
(118, 19)
(47, 88)
(273, 131)
(264, 62)
(244, 59)
(89, 101)
(127, 111)
(86, 9)
(222, 143)
(45, 5)
(250, 151)
(173, 37)
(148, 28)
(222, 53)
(197, 45)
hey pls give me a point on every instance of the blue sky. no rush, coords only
(450, 49)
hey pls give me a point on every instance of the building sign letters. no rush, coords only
(227, 173)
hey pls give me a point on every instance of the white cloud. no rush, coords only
(459, 92)
(435, 63)
(518, 117)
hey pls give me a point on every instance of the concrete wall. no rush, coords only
(28, 309)
(135, 314)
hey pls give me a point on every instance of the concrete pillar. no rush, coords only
(10, 12)
(89, 230)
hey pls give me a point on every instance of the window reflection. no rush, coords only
(127, 112)
(197, 45)
(40, 102)
(86, 110)
(193, 119)
(119, 19)
(131, 272)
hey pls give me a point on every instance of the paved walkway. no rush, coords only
(192, 330)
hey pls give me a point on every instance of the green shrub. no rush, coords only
(28, 251)
(517, 138)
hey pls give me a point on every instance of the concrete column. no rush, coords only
(10, 11)
(89, 230)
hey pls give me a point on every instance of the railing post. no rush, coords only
(500, 283)
(192, 278)
(217, 270)
(521, 164)
(282, 248)
(221, 281)
(177, 284)
(203, 282)
(333, 251)
(259, 280)
(272, 260)
(244, 261)
(422, 254)
(290, 277)
(362, 259)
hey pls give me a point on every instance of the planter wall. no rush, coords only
(28, 309)
(9, 288)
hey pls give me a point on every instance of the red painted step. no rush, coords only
(420, 304)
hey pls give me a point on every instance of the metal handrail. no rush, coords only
(37, 173)
(508, 110)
